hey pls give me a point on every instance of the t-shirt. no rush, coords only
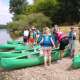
(26, 33)
(60, 35)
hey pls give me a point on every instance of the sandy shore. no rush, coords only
(60, 70)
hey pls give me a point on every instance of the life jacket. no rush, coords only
(60, 36)
(46, 41)
(34, 34)
(72, 36)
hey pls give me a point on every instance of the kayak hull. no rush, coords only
(28, 47)
(15, 54)
(34, 59)
(21, 62)
(76, 61)
(15, 42)
(9, 46)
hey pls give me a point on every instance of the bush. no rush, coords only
(39, 20)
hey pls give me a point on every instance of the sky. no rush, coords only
(5, 16)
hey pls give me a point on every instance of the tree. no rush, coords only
(39, 20)
(69, 11)
(30, 9)
(60, 11)
(19, 22)
(47, 7)
(19, 17)
(18, 6)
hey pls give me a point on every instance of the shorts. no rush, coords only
(31, 40)
(25, 38)
(46, 51)
(64, 42)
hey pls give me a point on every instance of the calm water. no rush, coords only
(4, 36)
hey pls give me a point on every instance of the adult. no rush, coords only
(55, 35)
(72, 38)
(62, 39)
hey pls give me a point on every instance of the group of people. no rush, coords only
(51, 38)
(30, 35)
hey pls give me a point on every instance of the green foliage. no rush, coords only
(19, 17)
(16, 27)
(30, 9)
(60, 11)
(48, 7)
(69, 11)
(39, 20)
(18, 6)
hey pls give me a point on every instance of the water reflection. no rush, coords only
(4, 36)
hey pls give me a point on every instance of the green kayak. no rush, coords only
(28, 50)
(9, 46)
(67, 52)
(25, 61)
(15, 54)
(17, 47)
(76, 61)
(15, 42)
(28, 47)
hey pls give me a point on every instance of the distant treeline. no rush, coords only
(2, 26)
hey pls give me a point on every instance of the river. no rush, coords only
(4, 36)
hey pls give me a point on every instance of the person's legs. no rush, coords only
(61, 50)
(61, 53)
(49, 56)
(49, 59)
(72, 49)
(63, 44)
(25, 40)
(45, 60)
(45, 57)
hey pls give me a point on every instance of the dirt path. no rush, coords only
(59, 70)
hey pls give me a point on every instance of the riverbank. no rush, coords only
(59, 70)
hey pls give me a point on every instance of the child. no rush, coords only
(46, 42)
(25, 35)
(31, 39)
(72, 38)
